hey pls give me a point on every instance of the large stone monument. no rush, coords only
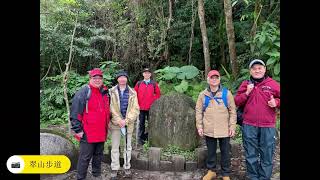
(172, 122)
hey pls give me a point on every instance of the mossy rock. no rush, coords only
(53, 142)
(172, 122)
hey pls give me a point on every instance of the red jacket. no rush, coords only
(94, 122)
(147, 94)
(256, 110)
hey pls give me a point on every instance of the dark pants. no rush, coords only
(143, 116)
(259, 145)
(88, 151)
(224, 144)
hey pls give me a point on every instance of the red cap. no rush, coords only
(95, 72)
(213, 73)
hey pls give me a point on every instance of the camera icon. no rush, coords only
(15, 165)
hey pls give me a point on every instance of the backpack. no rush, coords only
(240, 112)
(225, 101)
(88, 97)
(239, 115)
(223, 97)
(151, 82)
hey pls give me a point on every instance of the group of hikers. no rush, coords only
(97, 111)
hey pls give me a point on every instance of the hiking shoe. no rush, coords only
(127, 172)
(114, 174)
(225, 178)
(210, 175)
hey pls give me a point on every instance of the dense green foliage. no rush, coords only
(52, 104)
(135, 34)
(186, 79)
(130, 35)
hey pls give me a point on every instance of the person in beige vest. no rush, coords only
(125, 111)
(216, 122)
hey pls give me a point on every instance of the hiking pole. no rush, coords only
(126, 136)
(137, 132)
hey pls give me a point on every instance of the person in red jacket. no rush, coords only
(260, 97)
(148, 91)
(90, 116)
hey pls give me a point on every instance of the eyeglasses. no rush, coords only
(215, 77)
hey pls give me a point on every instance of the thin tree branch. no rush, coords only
(65, 76)
(192, 31)
(46, 72)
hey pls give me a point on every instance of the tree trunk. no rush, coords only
(205, 43)
(170, 15)
(222, 34)
(257, 11)
(65, 78)
(192, 31)
(166, 48)
(231, 37)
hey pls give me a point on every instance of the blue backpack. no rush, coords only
(223, 97)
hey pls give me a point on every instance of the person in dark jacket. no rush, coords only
(90, 116)
(148, 91)
(260, 98)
